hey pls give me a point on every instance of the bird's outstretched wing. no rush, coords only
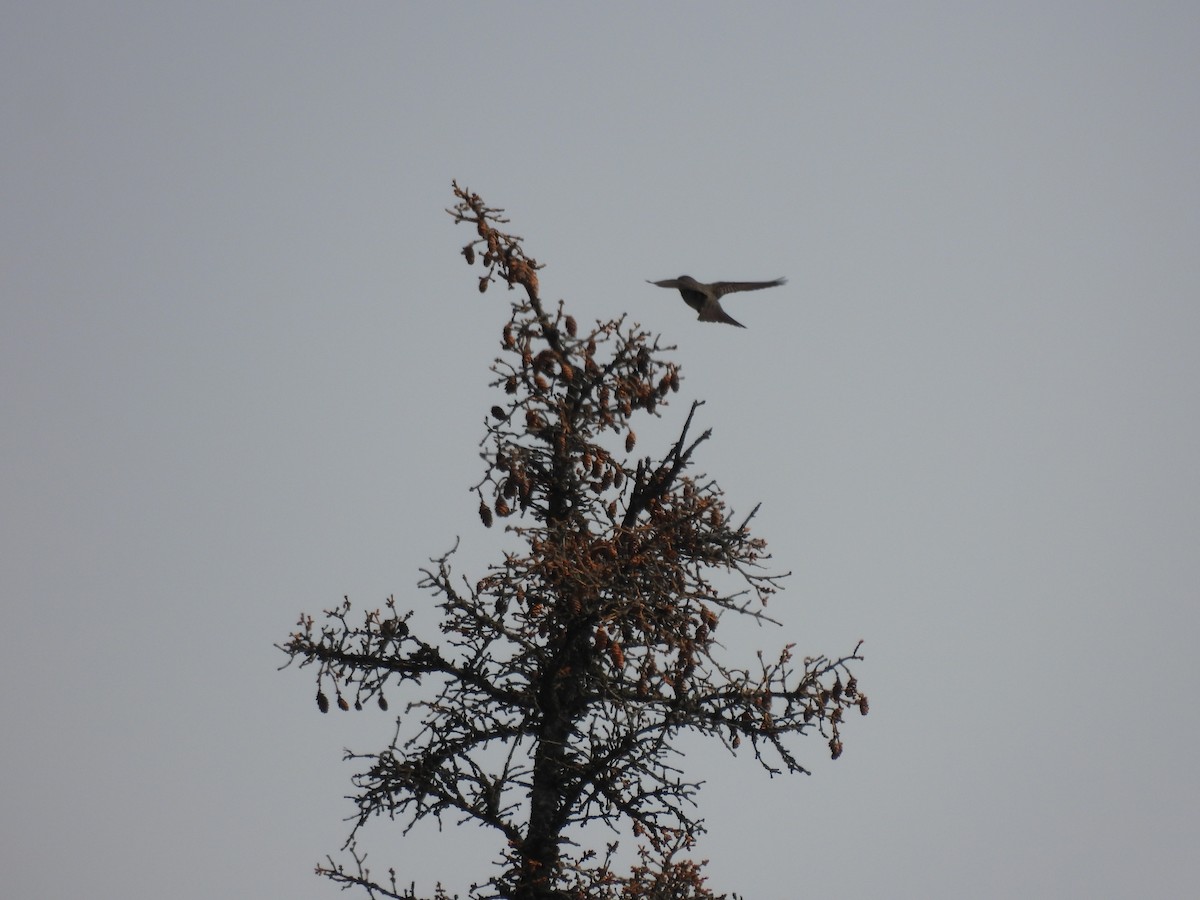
(721, 288)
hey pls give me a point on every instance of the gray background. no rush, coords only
(243, 373)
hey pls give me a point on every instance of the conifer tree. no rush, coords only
(561, 681)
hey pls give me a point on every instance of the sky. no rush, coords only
(244, 372)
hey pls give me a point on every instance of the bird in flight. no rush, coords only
(706, 298)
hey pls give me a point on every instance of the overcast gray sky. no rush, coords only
(243, 373)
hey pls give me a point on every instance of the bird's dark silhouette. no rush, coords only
(706, 298)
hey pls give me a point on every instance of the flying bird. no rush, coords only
(706, 298)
